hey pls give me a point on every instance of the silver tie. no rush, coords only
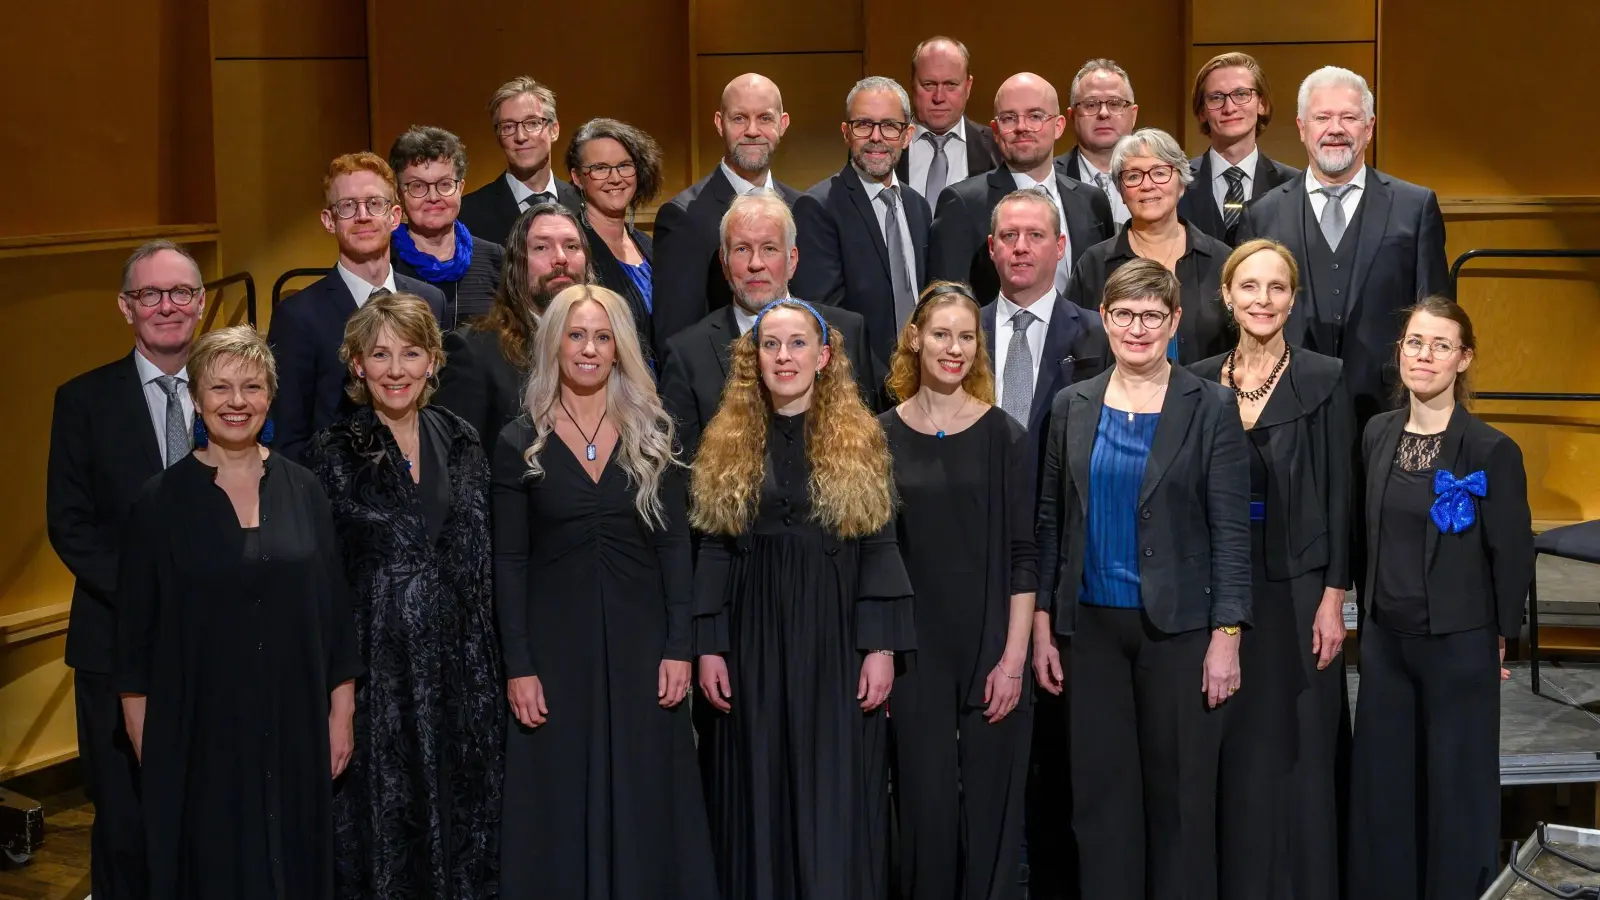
(1333, 221)
(1016, 384)
(905, 297)
(177, 423)
(938, 167)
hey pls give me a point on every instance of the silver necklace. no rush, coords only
(927, 411)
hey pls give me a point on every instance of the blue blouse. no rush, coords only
(1116, 472)
(640, 276)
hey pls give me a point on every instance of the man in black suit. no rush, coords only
(113, 428)
(758, 257)
(946, 146)
(686, 280)
(863, 234)
(308, 328)
(524, 116)
(1027, 122)
(1233, 105)
(1368, 244)
(1103, 112)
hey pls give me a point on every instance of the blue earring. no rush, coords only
(267, 431)
(201, 440)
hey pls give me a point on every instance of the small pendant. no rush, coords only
(1130, 417)
(589, 452)
(939, 434)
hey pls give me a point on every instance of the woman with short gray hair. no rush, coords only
(1151, 173)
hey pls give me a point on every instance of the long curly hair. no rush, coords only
(846, 448)
(905, 367)
(644, 429)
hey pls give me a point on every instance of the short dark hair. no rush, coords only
(1140, 279)
(640, 147)
(1443, 308)
(425, 143)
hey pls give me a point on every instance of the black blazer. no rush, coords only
(103, 448)
(1198, 205)
(1306, 431)
(687, 279)
(844, 260)
(958, 247)
(1194, 507)
(490, 211)
(698, 359)
(1399, 258)
(1074, 350)
(307, 331)
(1479, 576)
(609, 273)
(983, 153)
(1203, 329)
(470, 297)
(479, 384)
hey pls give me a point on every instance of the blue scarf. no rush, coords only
(430, 268)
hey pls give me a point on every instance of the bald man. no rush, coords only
(946, 146)
(687, 282)
(1027, 122)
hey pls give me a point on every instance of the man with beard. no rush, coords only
(685, 283)
(488, 359)
(863, 234)
(1103, 112)
(758, 256)
(1368, 244)
(1027, 122)
(523, 112)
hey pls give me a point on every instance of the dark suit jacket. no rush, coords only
(1478, 577)
(1074, 350)
(103, 448)
(1203, 329)
(698, 358)
(478, 384)
(687, 272)
(470, 297)
(1068, 165)
(844, 260)
(958, 247)
(491, 210)
(982, 153)
(1198, 205)
(1399, 258)
(307, 331)
(609, 273)
(1194, 507)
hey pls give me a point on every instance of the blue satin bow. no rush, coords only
(1454, 511)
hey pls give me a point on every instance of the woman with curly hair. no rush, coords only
(801, 602)
(592, 580)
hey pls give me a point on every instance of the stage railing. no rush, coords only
(1509, 253)
(285, 278)
(249, 297)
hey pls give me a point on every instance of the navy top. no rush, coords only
(640, 276)
(1116, 472)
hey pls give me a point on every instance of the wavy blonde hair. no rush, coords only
(644, 430)
(849, 456)
(905, 367)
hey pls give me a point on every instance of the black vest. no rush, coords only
(1327, 279)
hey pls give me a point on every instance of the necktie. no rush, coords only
(938, 167)
(537, 199)
(177, 427)
(1016, 382)
(1333, 221)
(1103, 182)
(905, 298)
(1233, 202)
(379, 292)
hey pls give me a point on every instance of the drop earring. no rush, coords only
(361, 373)
(267, 432)
(201, 439)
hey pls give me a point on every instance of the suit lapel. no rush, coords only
(1286, 403)
(132, 399)
(1206, 216)
(1374, 219)
(507, 201)
(978, 156)
(1083, 422)
(1265, 177)
(1171, 429)
(1378, 467)
(1078, 226)
(721, 188)
(987, 316)
(1450, 453)
(1058, 340)
(869, 216)
(722, 336)
(919, 228)
(1294, 207)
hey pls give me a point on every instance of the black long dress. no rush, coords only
(237, 660)
(417, 812)
(602, 801)
(965, 524)
(798, 787)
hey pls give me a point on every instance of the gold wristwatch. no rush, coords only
(1229, 630)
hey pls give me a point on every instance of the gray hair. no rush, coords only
(151, 248)
(879, 83)
(916, 55)
(1099, 65)
(1027, 195)
(762, 204)
(1333, 76)
(516, 87)
(1150, 142)
(424, 144)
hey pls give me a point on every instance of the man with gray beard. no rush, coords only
(1368, 244)
(863, 234)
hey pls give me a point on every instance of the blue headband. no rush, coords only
(821, 322)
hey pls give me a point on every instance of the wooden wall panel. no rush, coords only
(1285, 21)
(293, 29)
(38, 717)
(816, 26)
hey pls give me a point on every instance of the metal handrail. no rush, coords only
(1511, 253)
(249, 295)
(277, 286)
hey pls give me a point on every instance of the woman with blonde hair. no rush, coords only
(801, 601)
(962, 718)
(592, 584)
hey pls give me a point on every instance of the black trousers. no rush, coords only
(1144, 759)
(1425, 780)
(1052, 854)
(111, 779)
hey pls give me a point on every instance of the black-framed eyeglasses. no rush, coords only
(1132, 178)
(446, 187)
(1011, 121)
(891, 129)
(372, 206)
(1440, 348)
(602, 171)
(1240, 97)
(151, 297)
(533, 126)
(1112, 105)
(1123, 317)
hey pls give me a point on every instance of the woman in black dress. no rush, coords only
(417, 814)
(592, 584)
(236, 654)
(962, 716)
(1449, 559)
(801, 601)
(1279, 811)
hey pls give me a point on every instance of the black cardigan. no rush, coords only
(608, 272)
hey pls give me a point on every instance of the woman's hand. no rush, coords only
(715, 683)
(877, 680)
(133, 722)
(672, 682)
(1327, 629)
(341, 726)
(1505, 673)
(1046, 655)
(1221, 678)
(1003, 688)
(527, 700)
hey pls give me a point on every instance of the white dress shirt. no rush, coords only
(873, 189)
(745, 320)
(1119, 210)
(921, 156)
(1219, 180)
(156, 398)
(360, 289)
(1350, 200)
(524, 195)
(1003, 311)
(1024, 181)
(740, 186)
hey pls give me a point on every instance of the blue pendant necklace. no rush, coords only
(589, 451)
(928, 411)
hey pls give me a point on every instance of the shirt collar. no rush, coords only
(873, 188)
(1041, 309)
(1194, 243)
(1220, 165)
(359, 289)
(740, 186)
(1358, 182)
(743, 320)
(1024, 181)
(957, 131)
(148, 371)
(1088, 168)
(521, 192)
